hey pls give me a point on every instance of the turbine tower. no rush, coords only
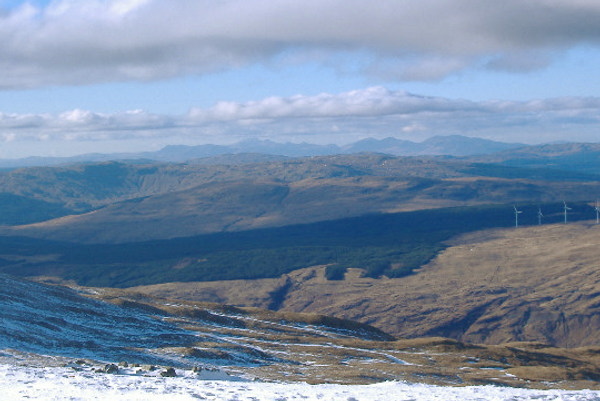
(566, 208)
(597, 209)
(540, 215)
(517, 216)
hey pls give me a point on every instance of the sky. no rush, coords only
(81, 76)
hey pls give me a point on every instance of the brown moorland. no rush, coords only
(539, 283)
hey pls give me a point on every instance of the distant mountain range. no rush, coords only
(454, 145)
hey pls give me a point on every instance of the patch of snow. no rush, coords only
(19, 382)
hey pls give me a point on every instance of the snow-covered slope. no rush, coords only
(47, 329)
(58, 321)
(84, 323)
(18, 383)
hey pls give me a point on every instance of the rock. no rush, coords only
(170, 372)
(111, 368)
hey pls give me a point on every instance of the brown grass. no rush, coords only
(532, 284)
(280, 346)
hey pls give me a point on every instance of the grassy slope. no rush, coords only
(537, 283)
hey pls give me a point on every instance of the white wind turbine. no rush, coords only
(597, 209)
(517, 212)
(566, 208)
(540, 215)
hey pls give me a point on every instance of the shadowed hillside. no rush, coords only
(391, 245)
(540, 283)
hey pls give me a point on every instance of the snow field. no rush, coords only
(18, 383)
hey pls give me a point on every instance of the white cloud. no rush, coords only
(89, 41)
(122, 7)
(371, 112)
(370, 102)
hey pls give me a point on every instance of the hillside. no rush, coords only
(539, 283)
(86, 329)
(580, 157)
(119, 202)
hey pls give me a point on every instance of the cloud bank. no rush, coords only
(72, 42)
(335, 118)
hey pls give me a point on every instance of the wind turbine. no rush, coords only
(566, 208)
(540, 215)
(517, 216)
(597, 209)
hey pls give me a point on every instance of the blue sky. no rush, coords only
(83, 76)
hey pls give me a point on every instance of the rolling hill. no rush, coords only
(119, 202)
(581, 157)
